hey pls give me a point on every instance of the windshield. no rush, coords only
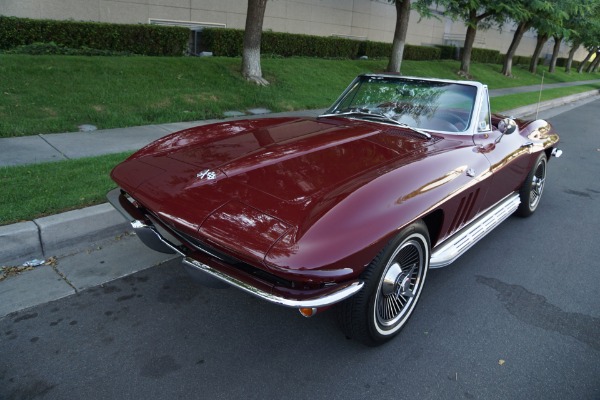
(421, 104)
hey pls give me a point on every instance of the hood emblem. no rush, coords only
(207, 174)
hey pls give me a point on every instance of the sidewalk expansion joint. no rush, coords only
(63, 277)
(39, 232)
(54, 147)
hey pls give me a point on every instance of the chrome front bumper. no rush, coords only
(206, 263)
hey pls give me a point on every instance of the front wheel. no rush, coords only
(393, 284)
(531, 191)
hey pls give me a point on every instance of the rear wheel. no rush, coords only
(393, 284)
(531, 191)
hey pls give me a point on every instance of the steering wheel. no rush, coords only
(452, 118)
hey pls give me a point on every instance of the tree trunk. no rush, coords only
(251, 69)
(465, 62)
(512, 50)
(402, 15)
(594, 65)
(571, 55)
(541, 41)
(555, 50)
(586, 59)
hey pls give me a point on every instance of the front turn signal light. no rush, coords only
(307, 311)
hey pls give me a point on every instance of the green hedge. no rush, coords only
(421, 53)
(140, 39)
(44, 49)
(447, 52)
(562, 61)
(288, 45)
(229, 43)
(523, 60)
(375, 49)
(484, 56)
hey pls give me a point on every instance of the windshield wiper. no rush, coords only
(412, 128)
(381, 116)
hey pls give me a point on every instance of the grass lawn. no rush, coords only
(512, 101)
(46, 94)
(32, 191)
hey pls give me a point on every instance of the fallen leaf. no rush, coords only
(501, 362)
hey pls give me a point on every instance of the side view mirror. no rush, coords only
(506, 127)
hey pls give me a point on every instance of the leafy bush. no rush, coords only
(562, 61)
(139, 39)
(421, 53)
(223, 42)
(229, 43)
(375, 49)
(288, 45)
(484, 56)
(447, 52)
(55, 49)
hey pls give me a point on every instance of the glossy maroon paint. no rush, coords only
(314, 200)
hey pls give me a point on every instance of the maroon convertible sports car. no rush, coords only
(352, 207)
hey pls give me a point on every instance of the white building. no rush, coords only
(361, 19)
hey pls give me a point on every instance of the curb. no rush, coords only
(546, 105)
(65, 233)
(59, 234)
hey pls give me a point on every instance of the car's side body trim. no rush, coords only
(447, 252)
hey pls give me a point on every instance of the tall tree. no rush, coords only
(402, 16)
(576, 24)
(555, 50)
(523, 27)
(575, 45)
(552, 24)
(592, 51)
(476, 14)
(541, 40)
(594, 64)
(588, 32)
(524, 13)
(251, 69)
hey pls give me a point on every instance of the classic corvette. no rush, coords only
(349, 208)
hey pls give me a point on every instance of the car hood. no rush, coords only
(261, 178)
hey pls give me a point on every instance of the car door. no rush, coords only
(507, 154)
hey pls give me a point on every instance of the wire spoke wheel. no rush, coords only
(531, 191)
(393, 284)
(537, 185)
(401, 280)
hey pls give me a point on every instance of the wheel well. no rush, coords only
(434, 223)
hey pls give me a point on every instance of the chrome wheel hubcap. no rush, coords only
(400, 284)
(537, 185)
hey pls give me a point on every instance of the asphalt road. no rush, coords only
(517, 317)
